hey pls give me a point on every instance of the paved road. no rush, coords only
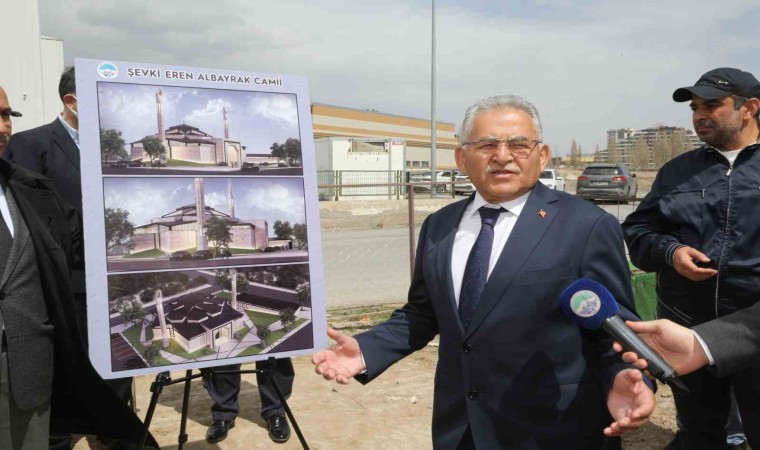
(371, 266)
(196, 171)
(288, 256)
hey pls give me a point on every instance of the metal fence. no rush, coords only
(368, 246)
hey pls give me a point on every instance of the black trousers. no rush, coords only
(225, 388)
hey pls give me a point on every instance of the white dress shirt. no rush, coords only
(5, 211)
(469, 228)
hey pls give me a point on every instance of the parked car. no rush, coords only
(607, 181)
(552, 179)
(250, 167)
(282, 164)
(180, 255)
(203, 254)
(444, 177)
(126, 163)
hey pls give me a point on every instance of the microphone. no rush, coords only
(591, 306)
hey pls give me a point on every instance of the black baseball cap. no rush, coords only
(719, 83)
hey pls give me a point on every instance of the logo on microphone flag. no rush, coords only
(585, 303)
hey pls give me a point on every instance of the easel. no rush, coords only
(164, 379)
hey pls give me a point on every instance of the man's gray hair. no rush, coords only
(495, 103)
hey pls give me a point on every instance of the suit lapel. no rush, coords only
(66, 144)
(528, 231)
(441, 255)
(20, 238)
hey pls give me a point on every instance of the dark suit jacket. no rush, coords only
(50, 151)
(523, 375)
(733, 340)
(81, 401)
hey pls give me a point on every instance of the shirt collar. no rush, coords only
(515, 206)
(71, 130)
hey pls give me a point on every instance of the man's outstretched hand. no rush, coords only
(341, 361)
(630, 402)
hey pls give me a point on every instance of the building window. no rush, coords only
(368, 146)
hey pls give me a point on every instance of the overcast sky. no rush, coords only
(255, 197)
(588, 65)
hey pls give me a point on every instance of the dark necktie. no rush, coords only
(476, 270)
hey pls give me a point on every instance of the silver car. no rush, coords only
(607, 181)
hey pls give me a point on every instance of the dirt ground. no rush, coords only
(394, 411)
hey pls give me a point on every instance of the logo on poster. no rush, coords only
(108, 70)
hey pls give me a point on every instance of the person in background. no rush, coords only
(52, 150)
(698, 229)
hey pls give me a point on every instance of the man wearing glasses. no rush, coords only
(52, 150)
(6, 127)
(513, 372)
(42, 359)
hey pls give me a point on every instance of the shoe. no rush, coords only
(218, 430)
(279, 430)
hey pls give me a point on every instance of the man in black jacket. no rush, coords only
(698, 229)
(52, 150)
(42, 360)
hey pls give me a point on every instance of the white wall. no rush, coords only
(29, 82)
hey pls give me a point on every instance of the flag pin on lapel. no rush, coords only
(542, 213)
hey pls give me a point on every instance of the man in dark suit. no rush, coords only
(514, 372)
(42, 361)
(52, 150)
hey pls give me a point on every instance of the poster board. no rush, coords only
(160, 143)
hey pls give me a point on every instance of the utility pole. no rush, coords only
(433, 171)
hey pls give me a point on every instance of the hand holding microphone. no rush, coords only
(592, 306)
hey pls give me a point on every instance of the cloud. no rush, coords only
(146, 198)
(588, 66)
(277, 108)
(277, 202)
(209, 118)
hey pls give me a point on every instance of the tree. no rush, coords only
(263, 332)
(287, 318)
(153, 148)
(680, 144)
(218, 232)
(223, 279)
(662, 150)
(131, 312)
(282, 230)
(112, 146)
(119, 230)
(279, 151)
(613, 153)
(640, 154)
(261, 276)
(304, 294)
(293, 149)
(152, 353)
(574, 154)
(299, 233)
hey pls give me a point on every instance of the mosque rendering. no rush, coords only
(183, 228)
(189, 144)
(196, 321)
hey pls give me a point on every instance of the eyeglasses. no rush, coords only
(6, 114)
(518, 147)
